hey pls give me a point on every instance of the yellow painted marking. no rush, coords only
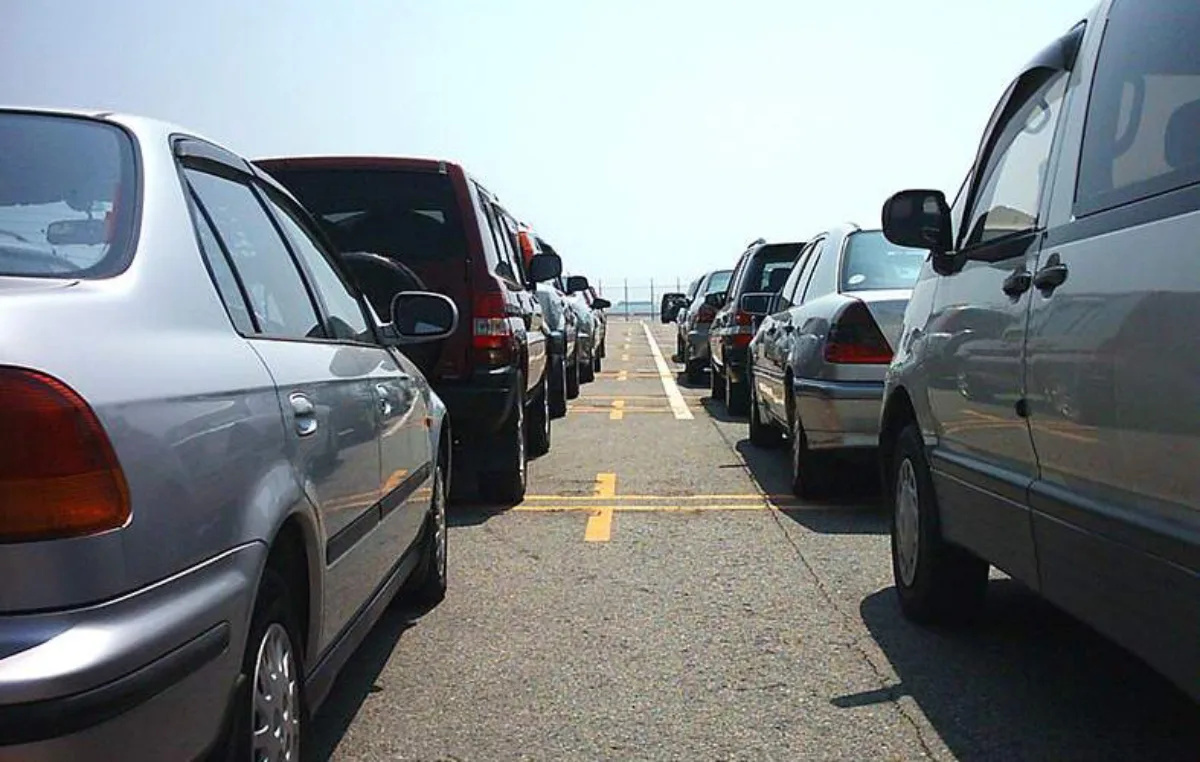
(624, 358)
(618, 410)
(623, 375)
(599, 524)
(667, 376)
(608, 510)
(751, 496)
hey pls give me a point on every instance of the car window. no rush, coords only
(504, 245)
(222, 273)
(810, 264)
(1011, 191)
(68, 196)
(278, 295)
(1142, 134)
(344, 316)
(787, 294)
(719, 282)
(873, 263)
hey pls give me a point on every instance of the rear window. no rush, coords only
(411, 216)
(719, 282)
(872, 263)
(68, 189)
(769, 268)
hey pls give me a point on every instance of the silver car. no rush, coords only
(216, 468)
(694, 320)
(817, 363)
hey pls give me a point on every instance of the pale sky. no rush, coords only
(642, 138)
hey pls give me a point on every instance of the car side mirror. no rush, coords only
(544, 267)
(669, 306)
(918, 219)
(419, 317)
(577, 283)
(757, 304)
(716, 300)
(600, 303)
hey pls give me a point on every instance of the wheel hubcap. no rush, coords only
(276, 700)
(439, 525)
(521, 440)
(908, 522)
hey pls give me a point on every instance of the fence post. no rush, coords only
(652, 302)
(627, 298)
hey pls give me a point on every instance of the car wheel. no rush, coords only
(737, 396)
(716, 383)
(596, 363)
(694, 371)
(538, 427)
(506, 485)
(427, 585)
(270, 711)
(762, 433)
(587, 371)
(572, 373)
(558, 389)
(811, 476)
(936, 582)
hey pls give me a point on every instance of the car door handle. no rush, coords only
(1050, 277)
(385, 400)
(1017, 283)
(305, 414)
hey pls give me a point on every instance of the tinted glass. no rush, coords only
(761, 270)
(871, 263)
(223, 276)
(1143, 124)
(718, 283)
(281, 304)
(67, 196)
(1012, 187)
(344, 314)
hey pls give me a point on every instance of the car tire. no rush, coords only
(538, 426)
(587, 371)
(716, 383)
(572, 373)
(811, 471)
(558, 389)
(762, 434)
(506, 485)
(273, 668)
(596, 364)
(936, 582)
(427, 584)
(737, 396)
(694, 371)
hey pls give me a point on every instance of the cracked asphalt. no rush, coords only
(658, 596)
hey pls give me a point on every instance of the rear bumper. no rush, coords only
(148, 676)
(839, 414)
(480, 405)
(696, 345)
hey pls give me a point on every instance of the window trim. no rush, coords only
(817, 250)
(196, 209)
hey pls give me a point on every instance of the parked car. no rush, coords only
(695, 318)
(1071, 464)
(762, 267)
(817, 364)
(438, 220)
(600, 307)
(560, 325)
(591, 325)
(217, 467)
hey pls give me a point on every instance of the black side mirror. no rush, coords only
(544, 267)
(423, 316)
(757, 304)
(918, 219)
(577, 283)
(716, 300)
(600, 303)
(670, 306)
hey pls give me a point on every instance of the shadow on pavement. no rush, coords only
(357, 680)
(682, 382)
(719, 412)
(1028, 682)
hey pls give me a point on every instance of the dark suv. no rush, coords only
(441, 223)
(762, 267)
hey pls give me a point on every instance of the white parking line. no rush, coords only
(665, 374)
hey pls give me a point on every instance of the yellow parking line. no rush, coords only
(624, 358)
(618, 410)
(599, 524)
(747, 496)
(604, 513)
(623, 375)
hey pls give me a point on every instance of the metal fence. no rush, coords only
(638, 298)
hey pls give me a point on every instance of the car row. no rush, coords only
(239, 451)
(1018, 363)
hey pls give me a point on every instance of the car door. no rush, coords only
(535, 338)
(323, 384)
(1113, 350)
(396, 385)
(778, 335)
(984, 460)
(722, 323)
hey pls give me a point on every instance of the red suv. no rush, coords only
(438, 221)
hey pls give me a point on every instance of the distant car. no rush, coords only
(217, 467)
(560, 325)
(763, 267)
(600, 307)
(695, 318)
(438, 220)
(1040, 412)
(591, 323)
(817, 364)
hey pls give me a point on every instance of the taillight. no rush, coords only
(855, 339)
(492, 335)
(742, 330)
(59, 476)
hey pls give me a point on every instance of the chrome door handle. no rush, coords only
(385, 402)
(304, 413)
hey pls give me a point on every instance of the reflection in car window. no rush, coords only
(872, 263)
(281, 303)
(1008, 201)
(345, 314)
(719, 282)
(223, 275)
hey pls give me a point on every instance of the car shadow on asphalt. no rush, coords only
(1028, 681)
(682, 382)
(358, 680)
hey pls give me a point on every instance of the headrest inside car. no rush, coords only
(1183, 136)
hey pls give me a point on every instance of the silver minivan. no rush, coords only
(1039, 411)
(217, 468)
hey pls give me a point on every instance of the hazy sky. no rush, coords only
(643, 139)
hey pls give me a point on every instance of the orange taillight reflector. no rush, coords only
(59, 476)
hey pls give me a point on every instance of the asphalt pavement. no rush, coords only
(660, 596)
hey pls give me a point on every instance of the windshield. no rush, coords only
(61, 185)
(872, 263)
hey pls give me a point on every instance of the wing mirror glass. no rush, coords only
(757, 303)
(544, 267)
(715, 300)
(600, 303)
(577, 283)
(918, 219)
(423, 316)
(670, 306)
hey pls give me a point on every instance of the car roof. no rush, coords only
(332, 161)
